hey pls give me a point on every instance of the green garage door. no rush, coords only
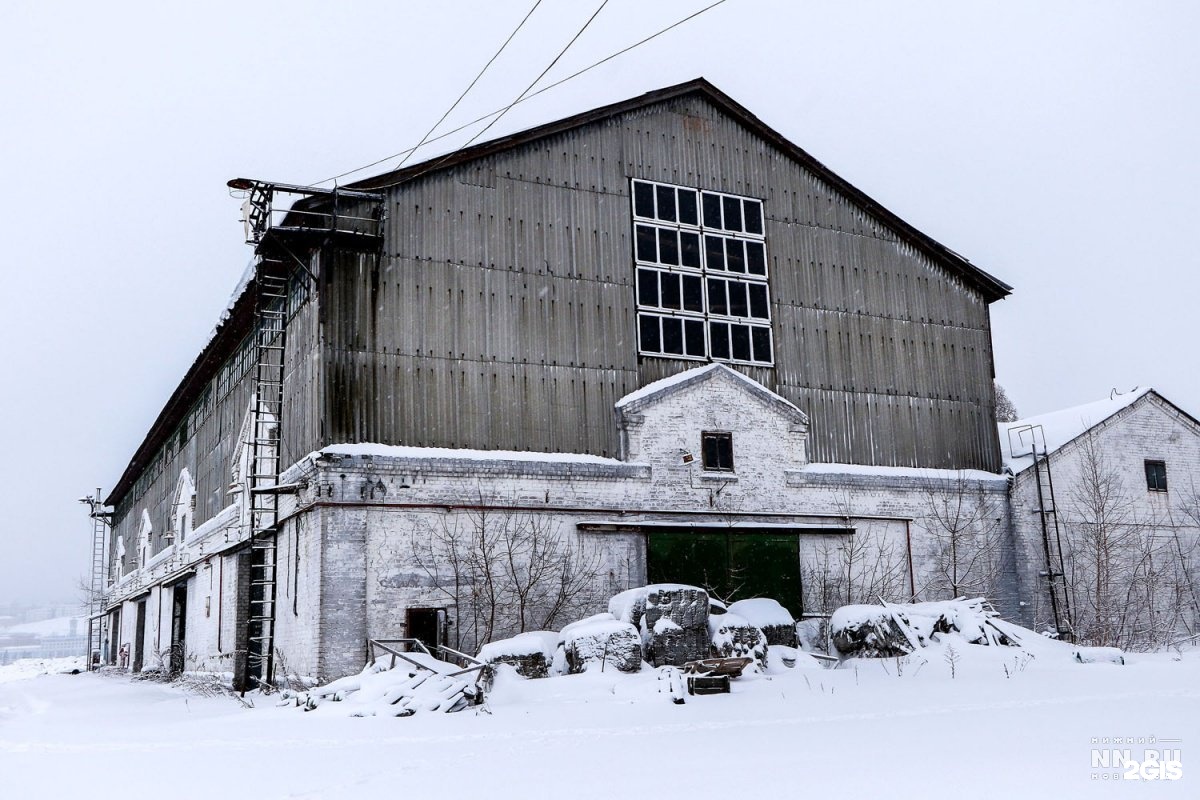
(730, 565)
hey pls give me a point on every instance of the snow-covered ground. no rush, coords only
(1004, 726)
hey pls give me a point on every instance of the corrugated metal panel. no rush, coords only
(508, 290)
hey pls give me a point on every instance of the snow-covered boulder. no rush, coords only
(530, 653)
(770, 617)
(602, 639)
(672, 618)
(734, 636)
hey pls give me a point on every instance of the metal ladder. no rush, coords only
(265, 433)
(1024, 441)
(97, 623)
(1056, 579)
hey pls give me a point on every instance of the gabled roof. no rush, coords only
(660, 390)
(1061, 428)
(989, 286)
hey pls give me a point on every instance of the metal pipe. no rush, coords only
(576, 510)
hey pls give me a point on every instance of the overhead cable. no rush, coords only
(471, 86)
(531, 96)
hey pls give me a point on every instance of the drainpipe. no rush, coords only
(912, 578)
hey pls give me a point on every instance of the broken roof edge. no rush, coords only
(991, 287)
(657, 390)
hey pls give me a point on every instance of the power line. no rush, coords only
(522, 95)
(454, 105)
(532, 95)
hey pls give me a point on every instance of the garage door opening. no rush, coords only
(729, 565)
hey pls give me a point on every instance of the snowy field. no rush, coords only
(882, 729)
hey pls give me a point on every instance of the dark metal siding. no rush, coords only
(501, 313)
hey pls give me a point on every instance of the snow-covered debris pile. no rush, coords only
(733, 636)
(1099, 655)
(604, 640)
(396, 691)
(672, 618)
(894, 629)
(531, 653)
(770, 617)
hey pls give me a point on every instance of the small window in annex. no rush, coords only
(716, 451)
(701, 275)
(1156, 475)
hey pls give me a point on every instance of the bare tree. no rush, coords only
(505, 572)
(854, 568)
(967, 528)
(1006, 410)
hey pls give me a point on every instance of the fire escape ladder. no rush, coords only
(267, 415)
(1056, 580)
(98, 585)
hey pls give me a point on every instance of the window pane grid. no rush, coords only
(701, 274)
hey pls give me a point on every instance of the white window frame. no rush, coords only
(644, 265)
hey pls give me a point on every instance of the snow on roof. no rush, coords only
(694, 374)
(403, 451)
(1060, 427)
(899, 472)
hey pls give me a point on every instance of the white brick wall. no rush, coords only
(1147, 429)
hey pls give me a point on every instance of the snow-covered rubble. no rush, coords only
(893, 629)
(530, 653)
(672, 618)
(602, 639)
(733, 636)
(418, 682)
(770, 617)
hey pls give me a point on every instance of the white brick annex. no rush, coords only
(1130, 540)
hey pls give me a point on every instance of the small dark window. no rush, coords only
(733, 213)
(672, 342)
(693, 294)
(670, 289)
(651, 341)
(693, 335)
(754, 222)
(1156, 476)
(690, 249)
(712, 210)
(645, 244)
(647, 287)
(668, 247)
(643, 199)
(718, 334)
(666, 203)
(717, 451)
(687, 207)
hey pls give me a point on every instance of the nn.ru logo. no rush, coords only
(1148, 765)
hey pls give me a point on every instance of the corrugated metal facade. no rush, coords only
(502, 311)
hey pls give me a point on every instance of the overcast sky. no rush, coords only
(1051, 143)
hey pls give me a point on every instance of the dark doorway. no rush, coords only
(426, 625)
(114, 635)
(178, 628)
(730, 566)
(139, 637)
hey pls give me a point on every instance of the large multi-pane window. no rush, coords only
(701, 274)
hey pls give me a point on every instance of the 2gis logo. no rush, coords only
(1128, 764)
